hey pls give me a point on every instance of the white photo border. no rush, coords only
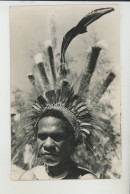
(120, 186)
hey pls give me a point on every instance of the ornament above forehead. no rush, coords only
(52, 89)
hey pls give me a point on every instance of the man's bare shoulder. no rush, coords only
(27, 175)
(88, 177)
(31, 174)
(86, 174)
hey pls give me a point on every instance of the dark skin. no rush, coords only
(55, 143)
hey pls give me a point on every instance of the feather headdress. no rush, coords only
(56, 93)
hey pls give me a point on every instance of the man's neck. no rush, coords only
(61, 168)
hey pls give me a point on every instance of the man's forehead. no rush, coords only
(52, 123)
(51, 120)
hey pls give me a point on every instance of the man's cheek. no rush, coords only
(66, 148)
(59, 146)
(39, 143)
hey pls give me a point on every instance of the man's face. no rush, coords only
(55, 142)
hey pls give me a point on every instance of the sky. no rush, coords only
(31, 24)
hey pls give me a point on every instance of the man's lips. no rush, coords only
(49, 154)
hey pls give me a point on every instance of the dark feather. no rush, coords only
(76, 102)
(51, 96)
(73, 99)
(103, 88)
(84, 112)
(79, 105)
(31, 79)
(107, 82)
(85, 118)
(43, 74)
(87, 74)
(91, 17)
(66, 41)
(81, 28)
(66, 91)
(52, 64)
(58, 93)
(42, 100)
(87, 127)
(93, 59)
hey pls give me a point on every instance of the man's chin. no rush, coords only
(50, 161)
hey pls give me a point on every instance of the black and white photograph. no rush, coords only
(65, 92)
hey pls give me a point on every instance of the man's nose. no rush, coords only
(48, 144)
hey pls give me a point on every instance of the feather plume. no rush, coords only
(51, 96)
(52, 64)
(43, 74)
(34, 83)
(91, 127)
(87, 74)
(102, 90)
(74, 99)
(41, 100)
(31, 79)
(66, 92)
(58, 92)
(106, 83)
(81, 28)
(86, 131)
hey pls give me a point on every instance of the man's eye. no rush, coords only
(57, 138)
(42, 137)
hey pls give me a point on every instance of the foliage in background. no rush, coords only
(105, 160)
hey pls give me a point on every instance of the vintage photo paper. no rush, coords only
(65, 92)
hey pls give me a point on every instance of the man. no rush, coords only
(56, 144)
(57, 116)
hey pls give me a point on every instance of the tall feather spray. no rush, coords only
(65, 95)
(80, 28)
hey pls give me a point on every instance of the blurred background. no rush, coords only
(30, 27)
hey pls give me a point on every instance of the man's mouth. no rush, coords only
(49, 154)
